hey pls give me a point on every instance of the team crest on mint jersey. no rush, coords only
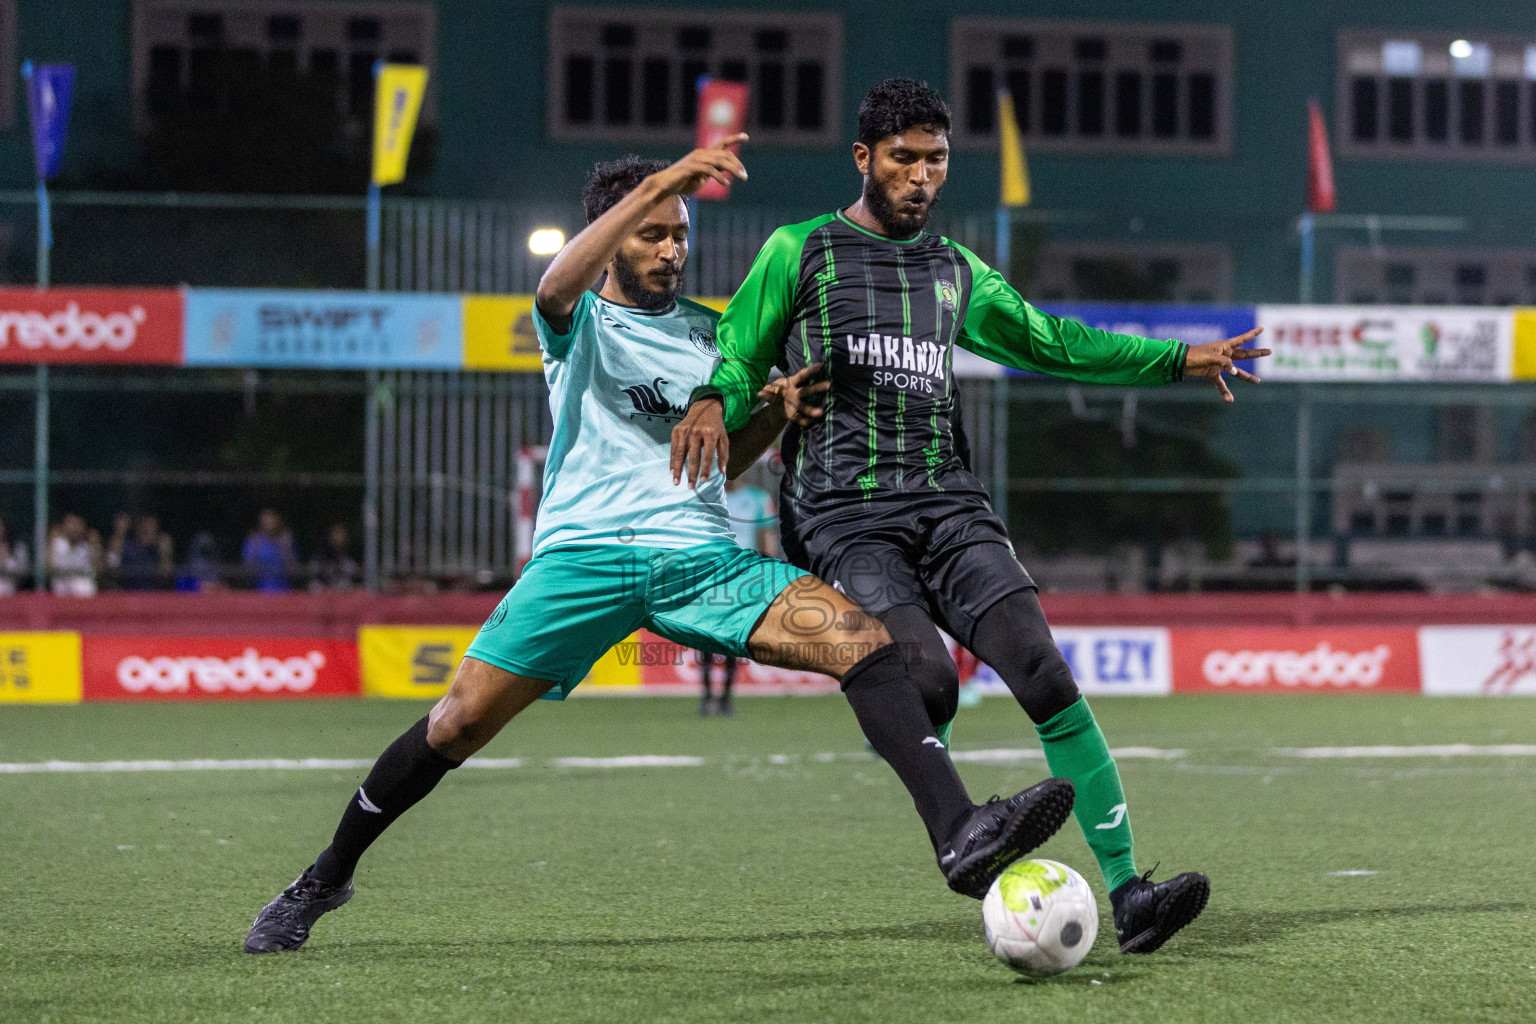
(704, 340)
(949, 295)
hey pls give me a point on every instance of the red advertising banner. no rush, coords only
(722, 113)
(217, 668)
(669, 668)
(1328, 660)
(91, 325)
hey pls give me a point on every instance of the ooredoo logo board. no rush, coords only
(90, 325)
(199, 668)
(1295, 660)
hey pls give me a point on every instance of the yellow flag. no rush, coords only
(397, 101)
(1015, 172)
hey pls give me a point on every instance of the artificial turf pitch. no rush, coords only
(765, 884)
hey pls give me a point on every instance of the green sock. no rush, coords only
(1075, 749)
(943, 732)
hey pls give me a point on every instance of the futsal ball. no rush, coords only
(1041, 917)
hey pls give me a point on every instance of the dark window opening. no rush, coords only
(1400, 109)
(733, 70)
(1128, 104)
(617, 90)
(283, 63)
(1432, 524)
(1470, 103)
(1469, 524)
(1165, 105)
(655, 91)
(1471, 275)
(1091, 49)
(164, 86)
(772, 40)
(693, 37)
(360, 83)
(1506, 113)
(1400, 275)
(205, 28)
(809, 88)
(284, 28)
(689, 89)
(1018, 47)
(1202, 106)
(404, 57)
(979, 100)
(363, 30)
(1019, 89)
(1090, 103)
(1362, 522)
(1437, 110)
(770, 94)
(1166, 51)
(1364, 106)
(618, 34)
(1053, 102)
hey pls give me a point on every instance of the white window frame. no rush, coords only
(1360, 54)
(337, 11)
(1511, 275)
(656, 32)
(1128, 45)
(1054, 265)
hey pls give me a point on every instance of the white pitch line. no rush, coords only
(199, 765)
(1440, 750)
(1031, 754)
(632, 761)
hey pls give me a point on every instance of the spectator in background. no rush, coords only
(143, 558)
(13, 563)
(334, 568)
(755, 521)
(268, 556)
(201, 573)
(74, 558)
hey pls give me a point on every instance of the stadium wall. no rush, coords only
(490, 120)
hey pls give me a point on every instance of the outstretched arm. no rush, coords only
(581, 263)
(1001, 326)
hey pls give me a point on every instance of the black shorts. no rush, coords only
(945, 552)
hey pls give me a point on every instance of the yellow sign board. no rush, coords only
(420, 661)
(1525, 344)
(40, 668)
(498, 334)
(397, 102)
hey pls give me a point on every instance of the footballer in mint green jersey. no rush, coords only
(877, 496)
(619, 547)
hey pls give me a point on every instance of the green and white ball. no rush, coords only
(1041, 917)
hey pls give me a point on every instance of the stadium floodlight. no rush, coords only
(546, 241)
(1461, 49)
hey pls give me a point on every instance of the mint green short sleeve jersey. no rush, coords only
(619, 381)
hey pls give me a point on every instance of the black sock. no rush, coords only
(403, 774)
(890, 710)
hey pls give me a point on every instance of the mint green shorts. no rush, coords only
(572, 604)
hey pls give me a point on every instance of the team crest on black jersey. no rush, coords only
(650, 403)
(948, 295)
(704, 340)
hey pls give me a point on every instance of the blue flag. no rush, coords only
(49, 88)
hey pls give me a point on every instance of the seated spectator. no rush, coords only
(13, 563)
(268, 555)
(334, 568)
(142, 560)
(74, 558)
(201, 572)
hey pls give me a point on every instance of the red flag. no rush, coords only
(722, 112)
(1320, 193)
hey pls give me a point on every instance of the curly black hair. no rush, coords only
(612, 180)
(897, 104)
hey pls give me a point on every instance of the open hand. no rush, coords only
(1209, 362)
(798, 395)
(699, 440)
(690, 173)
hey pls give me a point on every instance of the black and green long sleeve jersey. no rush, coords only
(884, 316)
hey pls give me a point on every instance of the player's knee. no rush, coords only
(1044, 686)
(456, 729)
